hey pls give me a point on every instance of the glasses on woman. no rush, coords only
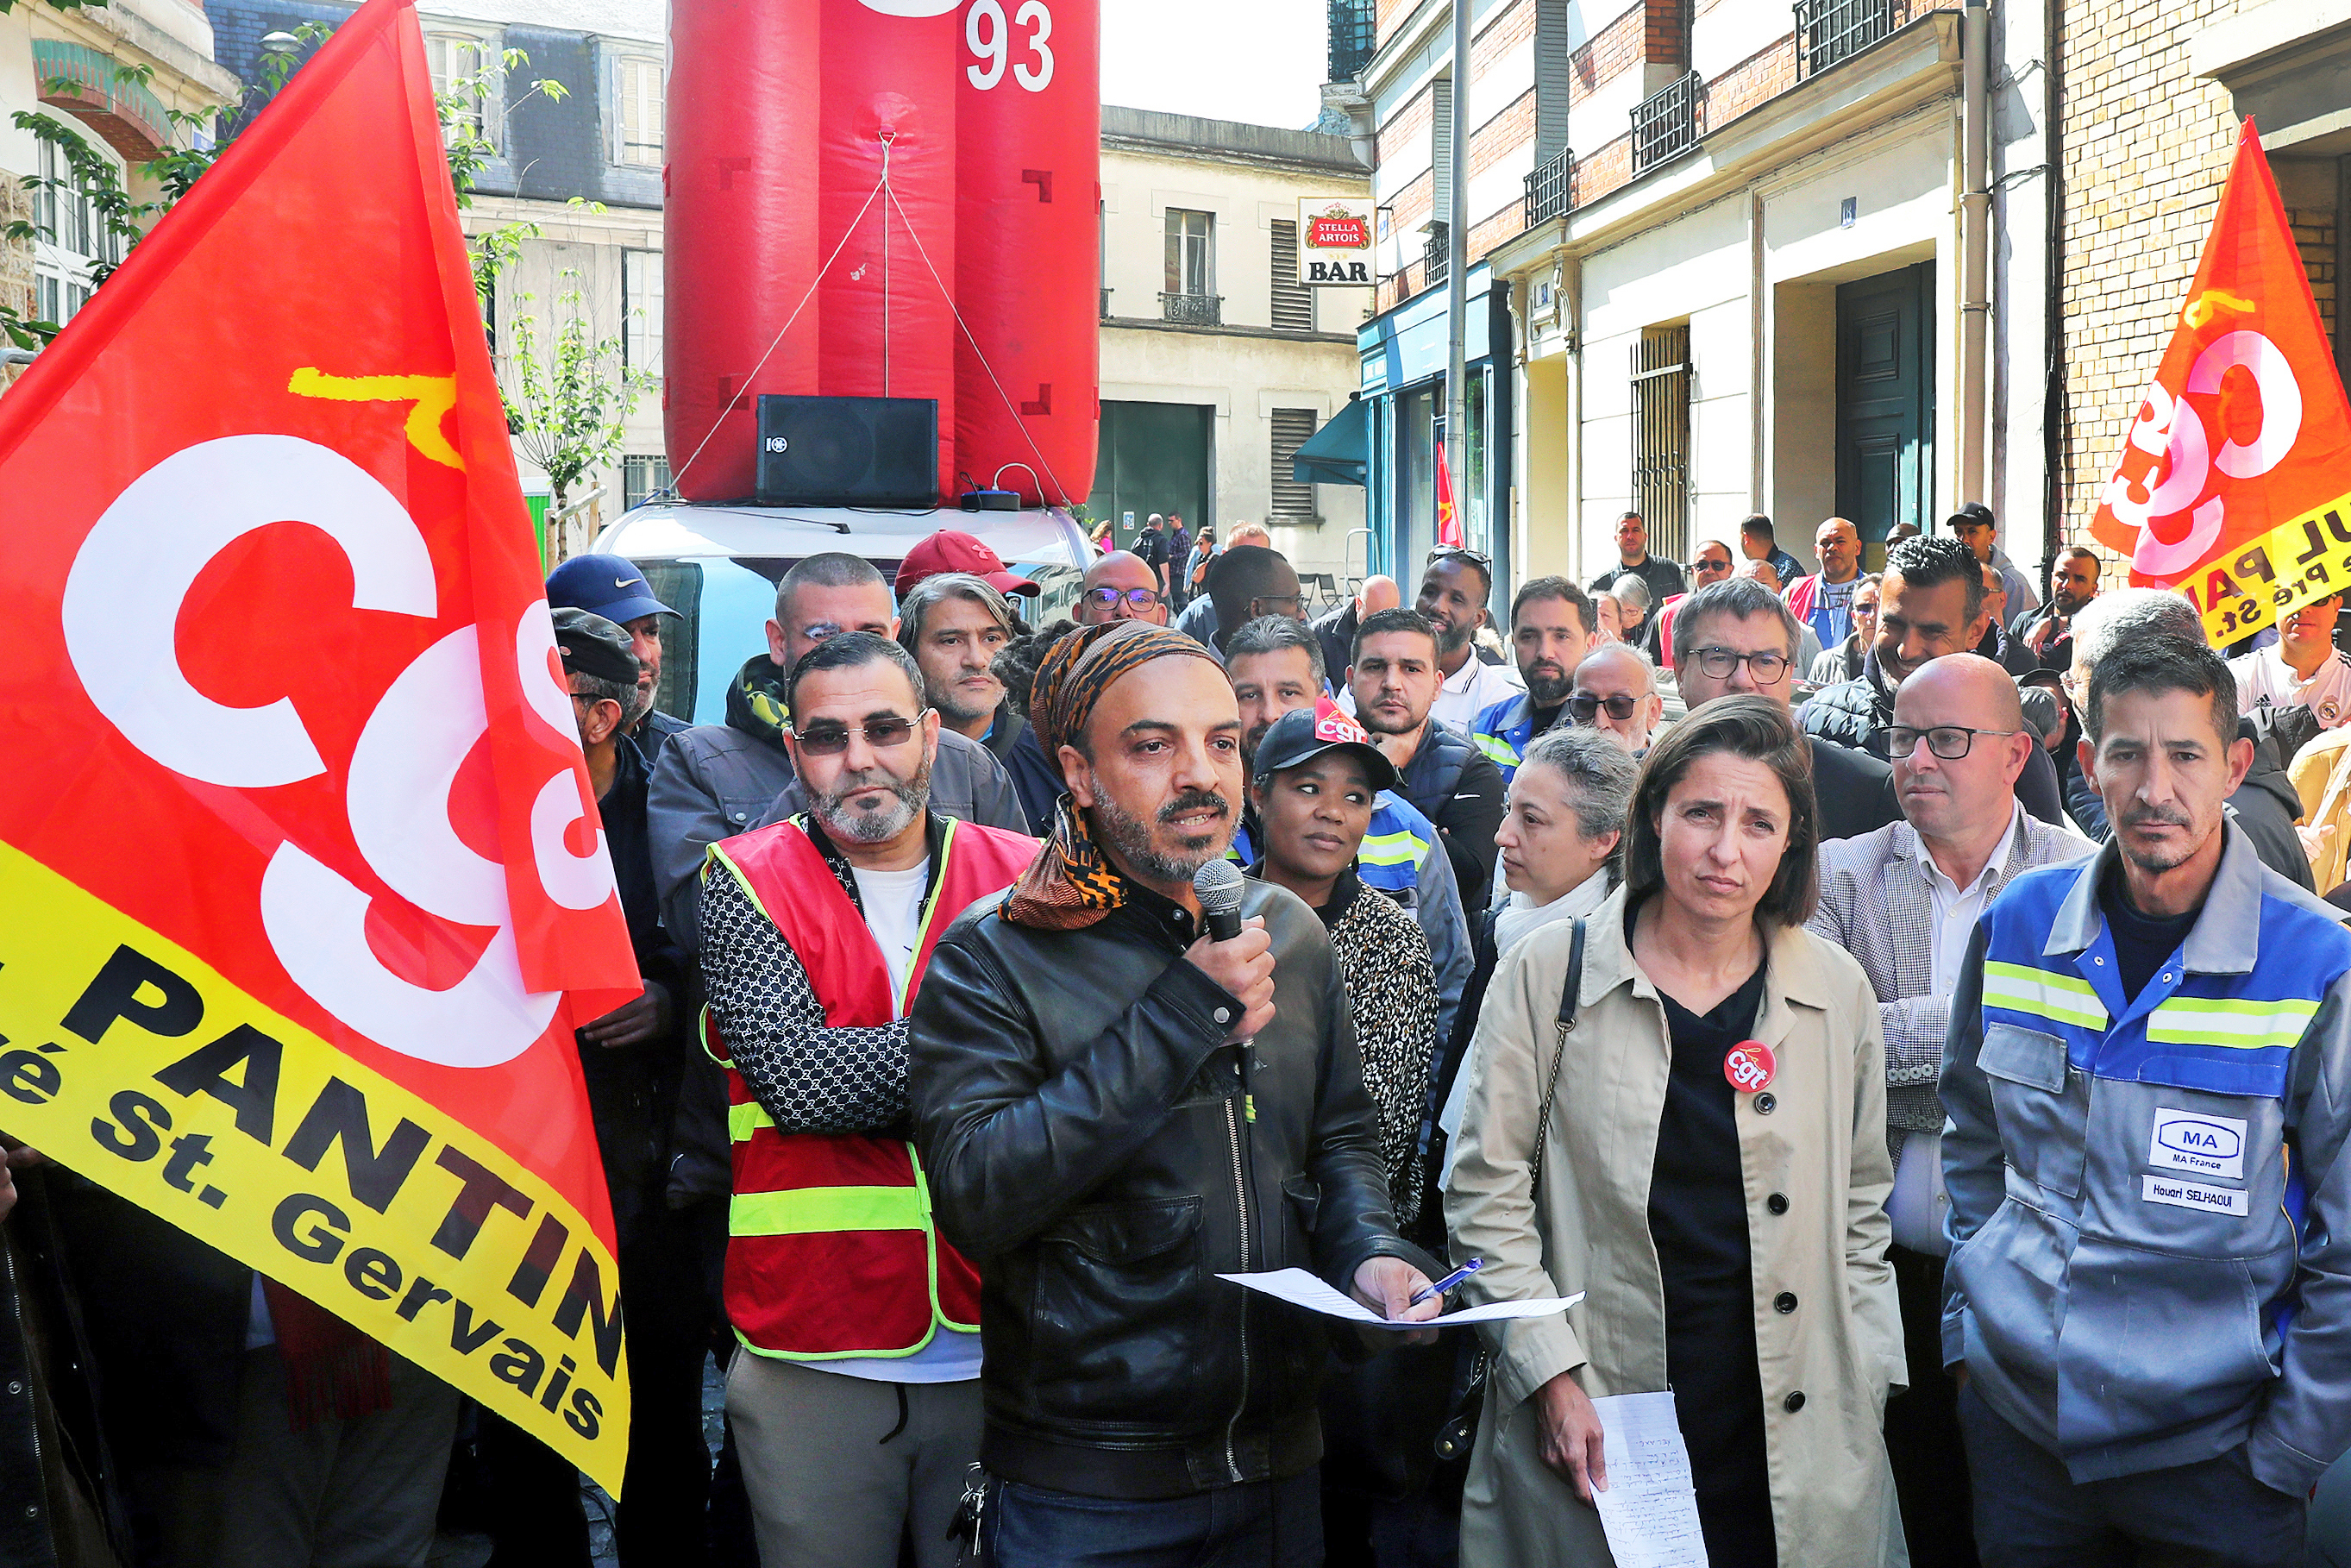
(1581, 707)
(1108, 597)
(823, 738)
(1948, 741)
(1767, 667)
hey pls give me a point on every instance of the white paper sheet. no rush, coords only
(1300, 1289)
(1650, 1509)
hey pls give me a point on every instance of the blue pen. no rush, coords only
(1450, 1281)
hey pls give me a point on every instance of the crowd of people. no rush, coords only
(1901, 1007)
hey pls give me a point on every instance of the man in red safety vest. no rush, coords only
(855, 1403)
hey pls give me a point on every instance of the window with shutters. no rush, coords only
(1554, 75)
(1292, 501)
(1440, 120)
(466, 67)
(1293, 302)
(641, 297)
(636, 118)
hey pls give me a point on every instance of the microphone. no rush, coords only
(1217, 886)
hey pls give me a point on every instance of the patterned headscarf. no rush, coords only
(1071, 884)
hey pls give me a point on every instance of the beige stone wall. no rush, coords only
(2147, 146)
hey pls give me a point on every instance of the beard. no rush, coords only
(2157, 860)
(913, 797)
(958, 712)
(642, 706)
(1130, 837)
(1547, 683)
(1451, 639)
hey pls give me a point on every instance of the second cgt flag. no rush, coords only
(307, 889)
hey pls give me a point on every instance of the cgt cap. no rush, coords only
(951, 550)
(1303, 734)
(595, 647)
(609, 585)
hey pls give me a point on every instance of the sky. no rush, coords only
(1259, 61)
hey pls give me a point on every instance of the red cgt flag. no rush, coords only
(1448, 515)
(302, 888)
(2234, 484)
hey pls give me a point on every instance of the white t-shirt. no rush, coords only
(1475, 687)
(893, 913)
(2265, 680)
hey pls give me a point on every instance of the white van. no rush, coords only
(717, 566)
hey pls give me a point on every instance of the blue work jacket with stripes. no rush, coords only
(1502, 732)
(2151, 1227)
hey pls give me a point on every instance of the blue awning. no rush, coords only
(1337, 454)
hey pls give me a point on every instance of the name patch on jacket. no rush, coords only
(2193, 1194)
(2193, 1140)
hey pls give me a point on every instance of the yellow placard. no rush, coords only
(2271, 577)
(131, 1061)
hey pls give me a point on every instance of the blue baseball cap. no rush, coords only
(606, 585)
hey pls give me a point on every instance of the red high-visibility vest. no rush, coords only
(831, 1248)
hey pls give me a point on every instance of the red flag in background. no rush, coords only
(2234, 484)
(301, 859)
(1448, 515)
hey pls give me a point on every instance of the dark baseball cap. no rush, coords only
(609, 585)
(952, 550)
(1305, 734)
(595, 647)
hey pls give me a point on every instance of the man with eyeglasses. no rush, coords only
(1120, 586)
(1712, 565)
(1904, 901)
(854, 1317)
(1453, 594)
(1614, 691)
(1551, 625)
(1737, 637)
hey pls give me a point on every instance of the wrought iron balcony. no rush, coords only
(1193, 310)
(1548, 194)
(1666, 126)
(1828, 31)
(1438, 257)
(1353, 38)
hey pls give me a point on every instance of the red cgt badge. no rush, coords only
(1748, 1065)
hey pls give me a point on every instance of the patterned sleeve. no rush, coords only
(809, 1077)
(1393, 987)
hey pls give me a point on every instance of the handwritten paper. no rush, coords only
(1300, 1289)
(1650, 1509)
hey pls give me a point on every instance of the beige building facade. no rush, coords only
(1216, 362)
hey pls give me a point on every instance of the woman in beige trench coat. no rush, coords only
(1720, 879)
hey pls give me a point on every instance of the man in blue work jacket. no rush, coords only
(2148, 1082)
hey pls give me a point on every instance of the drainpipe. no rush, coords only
(1975, 244)
(1457, 286)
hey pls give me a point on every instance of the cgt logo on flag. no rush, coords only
(2234, 482)
(301, 910)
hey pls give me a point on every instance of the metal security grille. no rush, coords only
(1666, 126)
(1292, 500)
(1828, 31)
(1661, 437)
(1546, 188)
(1293, 302)
(1437, 260)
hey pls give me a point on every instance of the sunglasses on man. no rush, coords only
(1583, 707)
(825, 738)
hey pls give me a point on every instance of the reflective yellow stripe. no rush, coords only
(2058, 997)
(1499, 750)
(1392, 849)
(2233, 1025)
(746, 1119)
(814, 1209)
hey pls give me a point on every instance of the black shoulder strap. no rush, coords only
(1566, 1026)
(1569, 993)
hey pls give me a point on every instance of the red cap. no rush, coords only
(948, 551)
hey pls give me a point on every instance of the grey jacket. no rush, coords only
(2150, 1216)
(1876, 905)
(716, 781)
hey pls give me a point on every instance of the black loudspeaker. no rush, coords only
(849, 451)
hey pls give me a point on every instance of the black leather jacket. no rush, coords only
(1093, 1146)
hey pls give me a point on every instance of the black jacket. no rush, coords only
(1101, 1156)
(1335, 630)
(1854, 790)
(1856, 713)
(1458, 787)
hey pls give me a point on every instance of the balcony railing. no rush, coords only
(1353, 38)
(1193, 310)
(1106, 303)
(1437, 260)
(1546, 188)
(1828, 31)
(1666, 126)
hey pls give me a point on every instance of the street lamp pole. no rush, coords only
(1457, 276)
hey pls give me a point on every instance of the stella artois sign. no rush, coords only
(1335, 242)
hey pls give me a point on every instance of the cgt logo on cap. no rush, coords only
(1335, 729)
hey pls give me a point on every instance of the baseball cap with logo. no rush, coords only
(607, 585)
(949, 550)
(1305, 734)
(592, 645)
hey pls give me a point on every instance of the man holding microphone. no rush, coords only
(1114, 1107)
